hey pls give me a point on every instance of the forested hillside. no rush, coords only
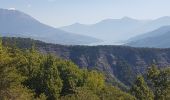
(120, 64)
(30, 75)
(27, 74)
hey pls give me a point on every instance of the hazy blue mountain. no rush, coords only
(118, 29)
(108, 30)
(159, 38)
(153, 25)
(16, 23)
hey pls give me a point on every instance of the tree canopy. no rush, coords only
(30, 75)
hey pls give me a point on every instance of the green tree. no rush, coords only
(113, 93)
(94, 80)
(45, 78)
(140, 90)
(82, 93)
(159, 81)
(11, 79)
(71, 76)
(50, 82)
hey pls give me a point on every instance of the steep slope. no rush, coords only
(116, 62)
(16, 23)
(159, 38)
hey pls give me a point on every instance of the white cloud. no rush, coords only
(11, 8)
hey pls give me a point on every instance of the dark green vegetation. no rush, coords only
(120, 64)
(29, 75)
(156, 86)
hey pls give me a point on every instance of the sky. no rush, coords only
(59, 13)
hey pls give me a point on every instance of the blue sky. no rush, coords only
(64, 12)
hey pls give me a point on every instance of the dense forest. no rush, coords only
(27, 74)
(120, 64)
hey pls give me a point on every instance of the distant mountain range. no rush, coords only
(16, 23)
(116, 30)
(142, 33)
(159, 38)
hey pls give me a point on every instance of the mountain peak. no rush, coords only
(12, 11)
(125, 17)
(128, 19)
(77, 23)
(20, 24)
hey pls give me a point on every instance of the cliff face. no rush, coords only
(120, 62)
(116, 62)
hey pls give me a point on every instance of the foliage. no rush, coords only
(94, 80)
(157, 87)
(140, 90)
(11, 79)
(29, 75)
(159, 81)
(81, 94)
(113, 93)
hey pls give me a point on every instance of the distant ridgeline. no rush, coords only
(25, 73)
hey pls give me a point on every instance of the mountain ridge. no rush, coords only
(116, 30)
(158, 38)
(104, 28)
(20, 24)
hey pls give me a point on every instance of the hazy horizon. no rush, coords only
(63, 12)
